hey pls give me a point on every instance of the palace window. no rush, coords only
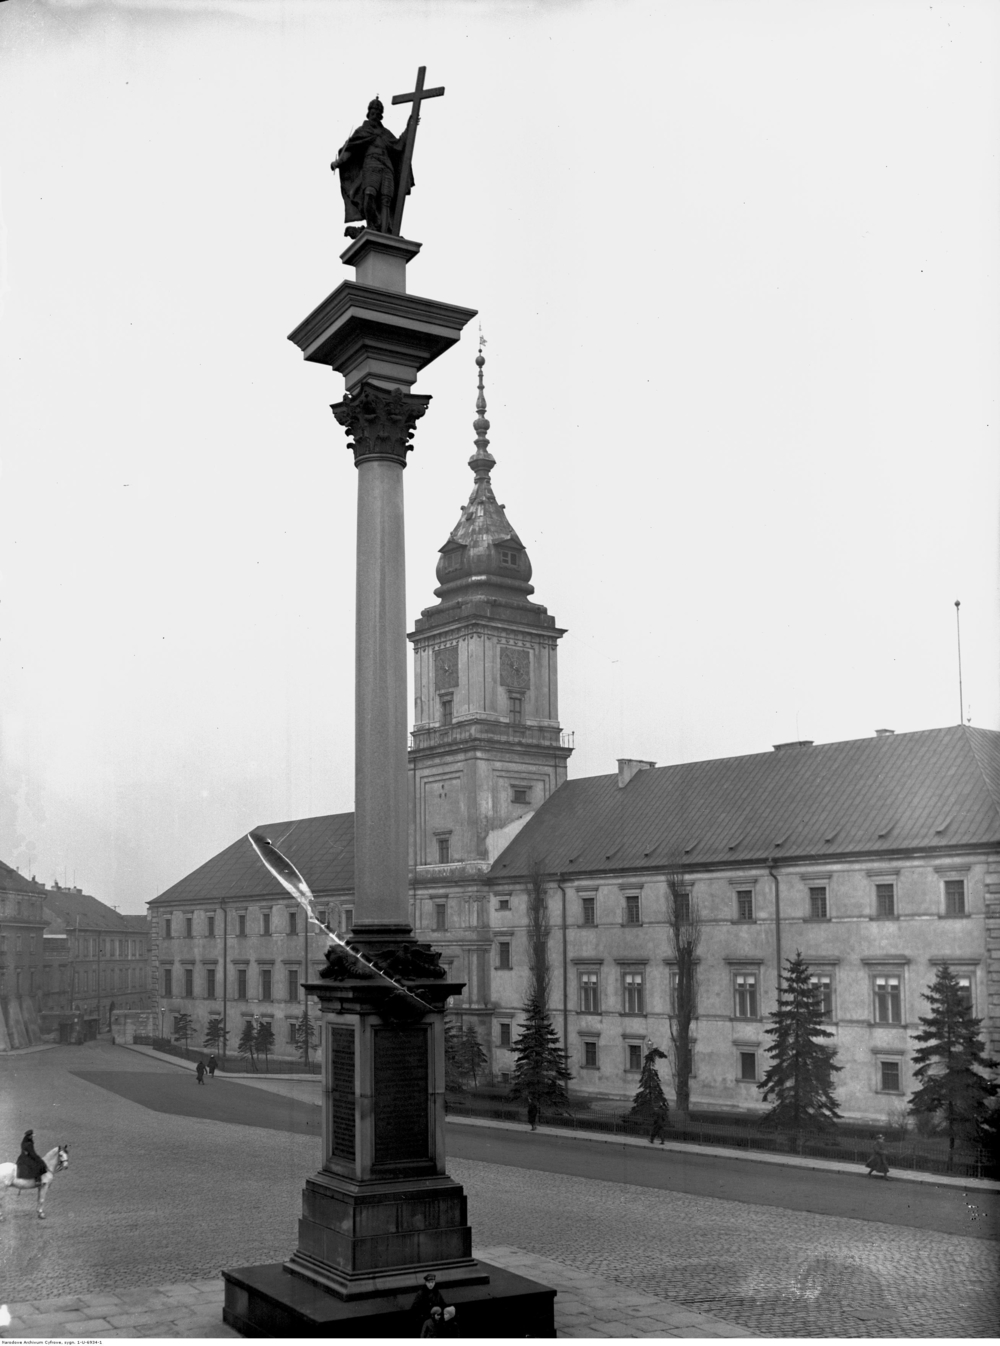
(241, 983)
(590, 993)
(168, 981)
(188, 981)
(634, 992)
(265, 922)
(210, 983)
(965, 990)
(632, 913)
(748, 1066)
(822, 984)
(515, 709)
(588, 915)
(518, 795)
(675, 978)
(885, 901)
(210, 927)
(503, 904)
(293, 985)
(444, 850)
(888, 1000)
(241, 923)
(633, 1056)
(505, 1033)
(293, 922)
(348, 919)
(265, 983)
(954, 897)
(440, 915)
(447, 709)
(504, 963)
(888, 1078)
(508, 558)
(744, 904)
(817, 904)
(682, 907)
(745, 995)
(589, 1061)
(188, 931)
(166, 929)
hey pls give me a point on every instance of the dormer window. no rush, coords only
(452, 560)
(509, 558)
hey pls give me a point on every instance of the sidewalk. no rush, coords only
(586, 1306)
(277, 1082)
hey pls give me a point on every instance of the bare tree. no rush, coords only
(685, 934)
(538, 934)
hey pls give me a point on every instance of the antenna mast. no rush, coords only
(958, 631)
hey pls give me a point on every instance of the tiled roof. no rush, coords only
(66, 904)
(321, 849)
(13, 882)
(938, 788)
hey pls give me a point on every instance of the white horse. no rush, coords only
(55, 1161)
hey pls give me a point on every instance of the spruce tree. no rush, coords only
(650, 1100)
(800, 1078)
(305, 1037)
(950, 1063)
(453, 1071)
(182, 1029)
(474, 1059)
(263, 1041)
(245, 1046)
(541, 1072)
(215, 1037)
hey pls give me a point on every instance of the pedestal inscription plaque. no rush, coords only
(342, 1092)
(401, 1098)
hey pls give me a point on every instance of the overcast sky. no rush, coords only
(737, 268)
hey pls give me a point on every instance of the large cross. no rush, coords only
(416, 98)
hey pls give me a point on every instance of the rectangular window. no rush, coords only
(588, 912)
(675, 978)
(518, 795)
(241, 983)
(503, 955)
(885, 901)
(504, 1034)
(589, 1054)
(293, 922)
(965, 990)
(508, 558)
(633, 1056)
(444, 850)
(888, 1077)
(745, 984)
(210, 926)
(503, 904)
(189, 982)
(632, 909)
(241, 923)
(954, 897)
(634, 996)
(440, 915)
(744, 904)
(348, 918)
(822, 984)
(817, 904)
(166, 928)
(210, 983)
(293, 1032)
(265, 983)
(888, 1001)
(188, 930)
(321, 915)
(168, 981)
(748, 1065)
(447, 709)
(293, 984)
(682, 907)
(590, 993)
(265, 922)
(515, 709)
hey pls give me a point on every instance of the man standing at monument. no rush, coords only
(372, 172)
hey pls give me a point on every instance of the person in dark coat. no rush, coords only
(29, 1165)
(213, 1065)
(427, 1298)
(878, 1163)
(199, 1070)
(432, 1327)
(658, 1129)
(532, 1114)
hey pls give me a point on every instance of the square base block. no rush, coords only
(267, 1301)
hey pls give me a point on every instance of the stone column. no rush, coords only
(381, 425)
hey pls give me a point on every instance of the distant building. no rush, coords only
(878, 858)
(22, 927)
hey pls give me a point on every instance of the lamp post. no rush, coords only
(163, 1010)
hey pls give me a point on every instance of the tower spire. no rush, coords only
(482, 461)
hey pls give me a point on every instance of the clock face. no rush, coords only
(515, 667)
(446, 668)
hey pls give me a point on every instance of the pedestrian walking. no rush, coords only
(199, 1070)
(878, 1163)
(532, 1114)
(658, 1129)
(213, 1065)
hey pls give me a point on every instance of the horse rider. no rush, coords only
(29, 1165)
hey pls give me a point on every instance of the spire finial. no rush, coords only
(482, 460)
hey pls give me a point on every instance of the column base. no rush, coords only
(269, 1301)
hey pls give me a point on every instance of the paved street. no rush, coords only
(158, 1195)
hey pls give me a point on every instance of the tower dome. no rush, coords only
(483, 554)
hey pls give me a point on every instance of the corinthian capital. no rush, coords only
(380, 423)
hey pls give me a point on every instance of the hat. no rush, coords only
(27, 1136)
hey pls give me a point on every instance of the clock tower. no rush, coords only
(487, 747)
